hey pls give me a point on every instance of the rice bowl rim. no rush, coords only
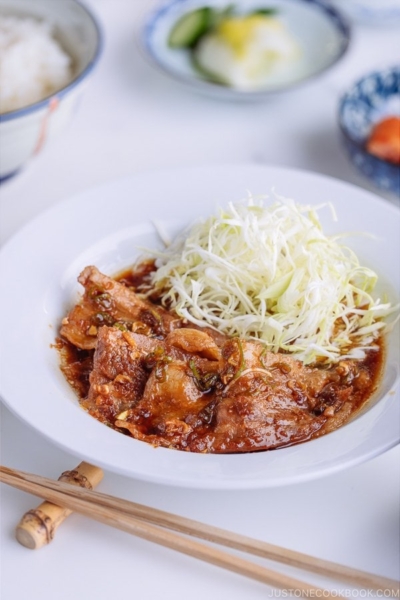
(40, 104)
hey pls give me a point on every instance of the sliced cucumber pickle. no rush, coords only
(189, 28)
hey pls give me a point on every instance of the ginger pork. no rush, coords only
(150, 374)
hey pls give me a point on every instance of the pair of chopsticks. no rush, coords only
(156, 525)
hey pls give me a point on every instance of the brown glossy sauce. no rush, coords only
(138, 277)
(76, 364)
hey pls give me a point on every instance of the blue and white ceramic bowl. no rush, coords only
(24, 132)
(371, 99)
(320, 31)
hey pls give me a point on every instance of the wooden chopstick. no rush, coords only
(92, 506)
(140, 520)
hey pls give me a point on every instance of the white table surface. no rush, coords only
(131, 119)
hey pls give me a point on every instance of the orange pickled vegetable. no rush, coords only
(384, 141)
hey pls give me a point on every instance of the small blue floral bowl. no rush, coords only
(370, 100)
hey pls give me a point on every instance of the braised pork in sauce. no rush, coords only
(145, 372)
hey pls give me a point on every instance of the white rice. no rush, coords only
(32, 63)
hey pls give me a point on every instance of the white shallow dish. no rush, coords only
(105, 226)
(321, 33)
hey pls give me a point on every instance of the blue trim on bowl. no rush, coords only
(4, 178)
(21, 112)
(340, 22)
(358, 110)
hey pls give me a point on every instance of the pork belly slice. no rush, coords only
(184, 368)
(168, 411)
(123, 362)
(106, 302)
(194, 341)
(118, 377)
(275, 401)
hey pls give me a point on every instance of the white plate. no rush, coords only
(321, 32)
(104, 227)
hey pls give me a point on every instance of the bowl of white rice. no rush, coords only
(48, 50)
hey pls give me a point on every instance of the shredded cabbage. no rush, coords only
(269, 273)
